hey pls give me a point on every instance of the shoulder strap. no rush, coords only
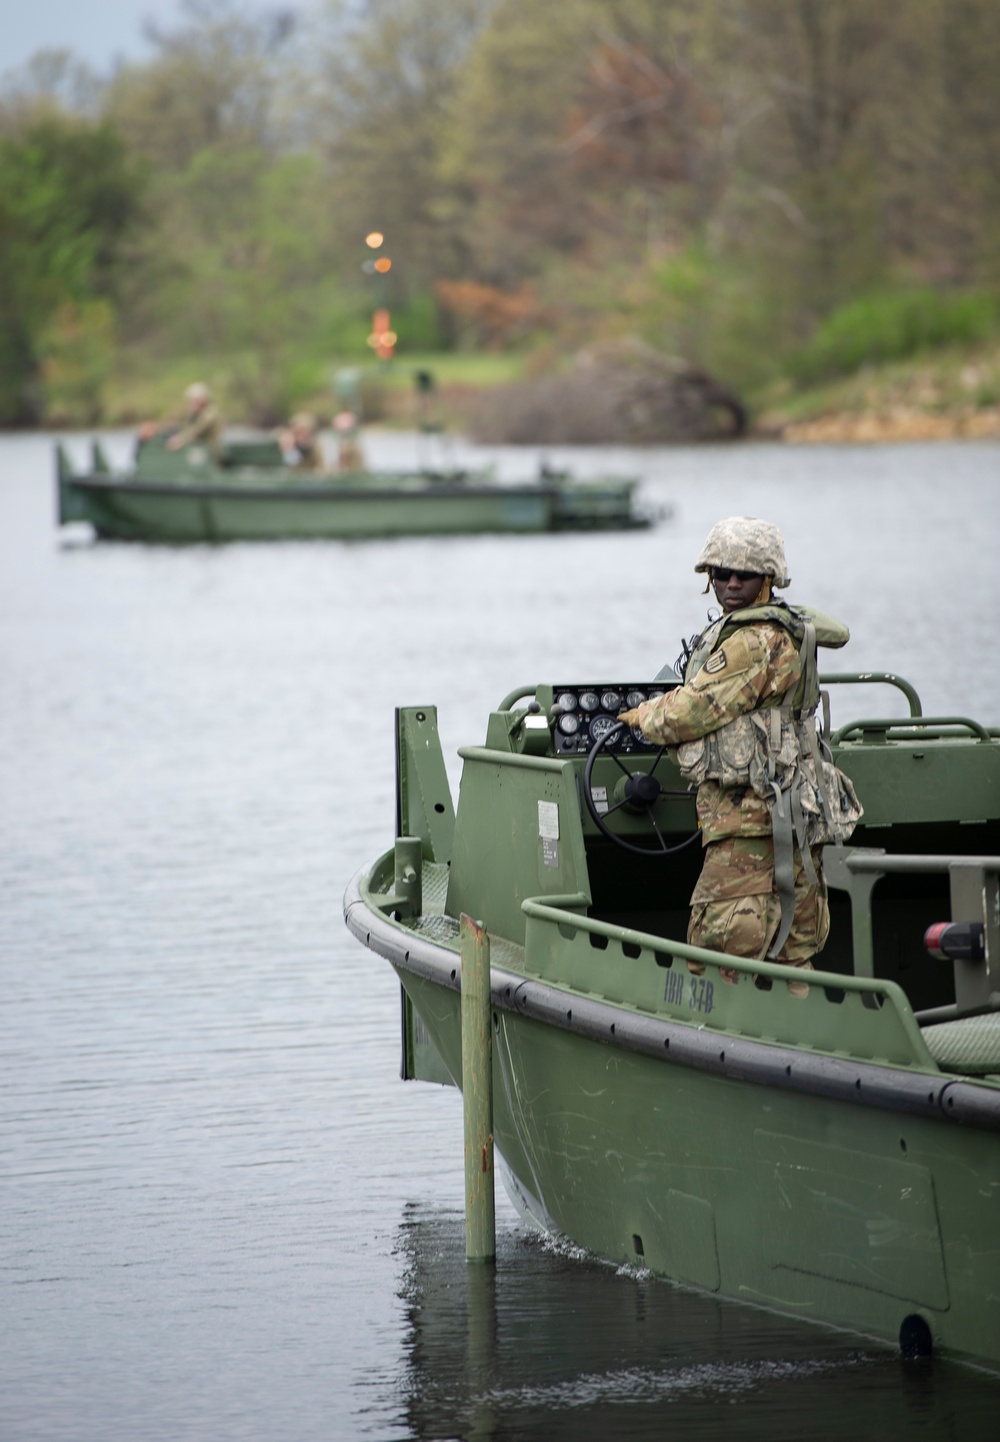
(806, 696)
(779, 613)
(702, 646)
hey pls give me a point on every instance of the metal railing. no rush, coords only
(975, 897)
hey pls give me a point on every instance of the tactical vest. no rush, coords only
(778, 751)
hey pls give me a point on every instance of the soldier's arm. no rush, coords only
(183, 437)
(748, 669)
(197, 429)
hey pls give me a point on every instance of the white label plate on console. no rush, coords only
(548, 820)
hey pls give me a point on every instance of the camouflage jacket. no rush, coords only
(756, 666)
(308, 457)
(205, 428)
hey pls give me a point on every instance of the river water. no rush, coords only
(223, 1216)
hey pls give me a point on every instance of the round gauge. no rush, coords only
(601, 725)
(635, 698)
(656, 691)
(565, 701)
(611, 701)
(568, 724)
(589, 700)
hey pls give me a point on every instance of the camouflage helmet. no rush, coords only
(746, 543)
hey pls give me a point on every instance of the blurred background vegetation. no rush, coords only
(799, 198)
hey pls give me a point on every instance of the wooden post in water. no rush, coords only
(477, 1093)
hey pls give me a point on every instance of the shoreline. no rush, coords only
(898, 423)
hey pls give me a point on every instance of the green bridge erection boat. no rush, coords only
(251, 495)
(833, 1156)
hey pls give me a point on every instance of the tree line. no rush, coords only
(762, 187)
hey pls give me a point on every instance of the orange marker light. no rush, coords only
(383, 264)
(374, 238)
(382, 340)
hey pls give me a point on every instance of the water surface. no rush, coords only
(223, 1216)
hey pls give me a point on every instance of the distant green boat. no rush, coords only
(251, 495)
(834, 1156)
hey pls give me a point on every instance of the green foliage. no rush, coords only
(684, 286)
(387, 82)
(888, 327)
(240, 248)
(211, 83)
(716, 312)
(303, 379)
(77, 350)
(684, 278)
(723, 180)
(418, 325)
(241, 263)
(70, 198)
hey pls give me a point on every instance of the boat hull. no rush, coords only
(174, 513)
(835, 1191)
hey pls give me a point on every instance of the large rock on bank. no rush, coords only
(621, 392)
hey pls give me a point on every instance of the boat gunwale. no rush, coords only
(938, 1096)
(225, 490)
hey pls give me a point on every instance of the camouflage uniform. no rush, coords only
(735, 905)
(204, 428)
(309, 456)
(301, 445)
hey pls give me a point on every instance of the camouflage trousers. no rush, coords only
(735, 906)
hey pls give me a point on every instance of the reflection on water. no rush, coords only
(222, 1215)
(554, 1345)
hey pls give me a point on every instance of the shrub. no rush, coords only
(891, 327)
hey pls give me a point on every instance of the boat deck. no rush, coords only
(435, 925)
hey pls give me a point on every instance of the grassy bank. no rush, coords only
(143, 389)
(945, 393)
(949, 393)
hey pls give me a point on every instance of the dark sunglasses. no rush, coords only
(725, 573)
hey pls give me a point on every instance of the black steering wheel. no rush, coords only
(641, 792)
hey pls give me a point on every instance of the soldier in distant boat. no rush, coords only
(350, 456)
(201, 426)
(301, 445)
(743, 722)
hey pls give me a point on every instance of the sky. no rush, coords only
(98, 32)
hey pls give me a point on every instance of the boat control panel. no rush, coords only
(582, 714)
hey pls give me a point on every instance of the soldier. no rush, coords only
(301, 446)
(203, 425)
(350, 456)
(768, 796)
